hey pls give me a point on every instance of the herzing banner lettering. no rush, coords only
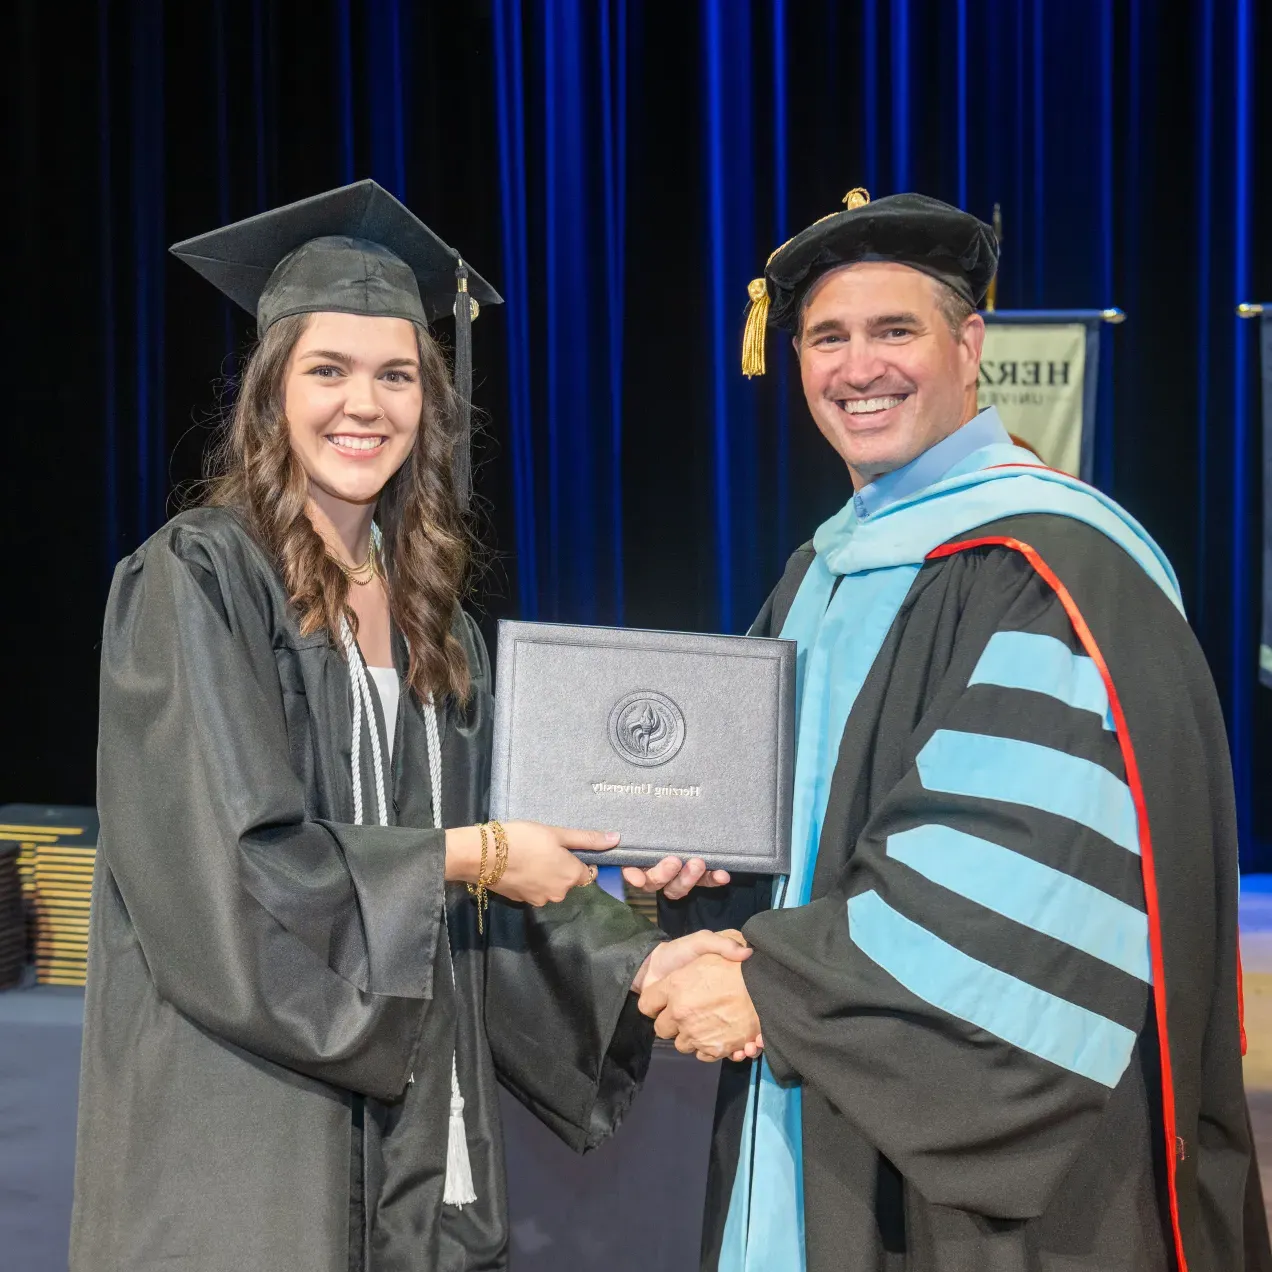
(1034, 373)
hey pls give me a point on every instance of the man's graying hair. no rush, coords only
(955, 309)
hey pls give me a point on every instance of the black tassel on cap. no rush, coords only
(462, 465)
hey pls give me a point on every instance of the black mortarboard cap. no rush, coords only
(911, 229)
(355, 250)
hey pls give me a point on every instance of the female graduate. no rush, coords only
(293, 1026)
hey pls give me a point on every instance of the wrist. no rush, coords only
(463, 854)
(638, 981)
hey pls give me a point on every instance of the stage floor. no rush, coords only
(565, 1211)
(39, 1077)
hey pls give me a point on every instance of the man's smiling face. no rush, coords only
(884, 375)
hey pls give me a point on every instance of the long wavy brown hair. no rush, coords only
(253, 469)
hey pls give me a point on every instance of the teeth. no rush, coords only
(356, 443)
(866, 406)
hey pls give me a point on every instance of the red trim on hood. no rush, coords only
(1241, 998)
(1173, 1154)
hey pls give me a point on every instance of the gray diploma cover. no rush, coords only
(683, 743)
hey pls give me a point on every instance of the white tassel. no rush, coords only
(459, 1172)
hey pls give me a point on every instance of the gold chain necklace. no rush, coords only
(360, 574)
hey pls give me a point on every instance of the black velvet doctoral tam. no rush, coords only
(912, 229)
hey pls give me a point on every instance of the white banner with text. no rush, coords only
(1035, 374)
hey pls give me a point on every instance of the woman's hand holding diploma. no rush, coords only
(541, 862)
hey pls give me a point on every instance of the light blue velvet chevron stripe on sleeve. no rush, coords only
(1043, 664)
(1029, 893)
(1003, 1005)
(982, 766)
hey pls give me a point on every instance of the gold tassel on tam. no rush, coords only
(756, 322)
(757, 289)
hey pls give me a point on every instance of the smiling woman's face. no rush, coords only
(353, 400)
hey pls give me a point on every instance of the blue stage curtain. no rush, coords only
(561, 71)
(621, 171)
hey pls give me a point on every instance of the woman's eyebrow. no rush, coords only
(334, 355)
(331, 355)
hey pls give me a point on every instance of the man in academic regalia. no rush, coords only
(998, 993)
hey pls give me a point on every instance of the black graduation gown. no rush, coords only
(930, 1144)
(265, 977)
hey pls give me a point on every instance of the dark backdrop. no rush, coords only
(620, 170)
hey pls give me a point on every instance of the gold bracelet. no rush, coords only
(501, 853)
(478, 889)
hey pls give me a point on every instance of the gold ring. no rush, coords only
(594, 873)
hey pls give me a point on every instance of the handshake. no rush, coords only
(693, 990)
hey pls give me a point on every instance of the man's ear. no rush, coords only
(971, 342)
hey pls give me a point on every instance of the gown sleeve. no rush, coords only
(971, 990)
(309, 943)
(564, 1029)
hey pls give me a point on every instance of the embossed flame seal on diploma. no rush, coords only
(646, 728)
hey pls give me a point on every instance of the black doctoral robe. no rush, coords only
(929, 1144)
(265, 978)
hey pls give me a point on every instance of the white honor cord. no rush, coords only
(458, 1190)
(355, 746)
(361, 704)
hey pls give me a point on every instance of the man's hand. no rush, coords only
(705, 1007)
(675, 878)
(671, 956)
